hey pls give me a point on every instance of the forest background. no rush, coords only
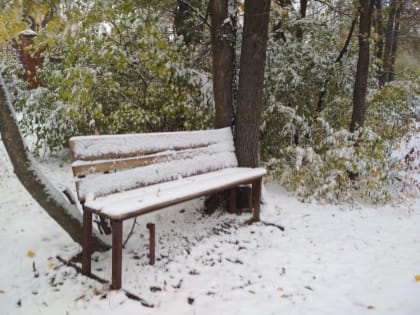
(107, 67)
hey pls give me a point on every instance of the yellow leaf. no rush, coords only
(96, 291)
(51, 265)
(417, 277)
(30, 254)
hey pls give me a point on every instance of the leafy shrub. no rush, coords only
(307, 147)
(391, 109)
(338, 166)
(125, 75)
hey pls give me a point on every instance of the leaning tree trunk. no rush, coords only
(41, 189)
(251, 81)
(360, 85)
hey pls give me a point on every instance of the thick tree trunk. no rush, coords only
(223, 38)
(360, 85)
(251, 81)
(41, 189)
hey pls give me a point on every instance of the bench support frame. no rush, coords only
(117, 234)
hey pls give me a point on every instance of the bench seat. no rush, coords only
(131, 203)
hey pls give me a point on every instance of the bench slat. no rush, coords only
(143, 200)
(82, 168)
(104, 184)
(87, 148)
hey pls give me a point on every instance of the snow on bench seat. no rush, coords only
(142, 200)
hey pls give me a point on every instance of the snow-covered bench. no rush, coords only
(123, 176)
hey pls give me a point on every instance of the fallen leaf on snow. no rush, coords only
(417, 277)
(30, 254)
(370, 307)
(1, 292)
(96, 291)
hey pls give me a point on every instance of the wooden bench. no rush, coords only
(123, 176)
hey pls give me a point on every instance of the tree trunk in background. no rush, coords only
(388, 43)
(277, 26)
(344, 49)
(41, 189)
(379, 27)
(378, 23)
(396, 31)
(391, 39)
(184, 12)
(223, 38)
(251, 81)
(302, 13)
(30, 59)
(360, 85)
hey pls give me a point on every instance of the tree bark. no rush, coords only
(251, 81)
(223, 39)
(41, 189)
(360, 85)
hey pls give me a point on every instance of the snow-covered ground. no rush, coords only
(329, 260)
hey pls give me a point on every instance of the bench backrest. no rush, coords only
(111, 163)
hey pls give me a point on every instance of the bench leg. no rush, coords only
(232, 201)
(250, 198)
(117, 230)
(152, 246)
(256, 199)
(87, 242)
